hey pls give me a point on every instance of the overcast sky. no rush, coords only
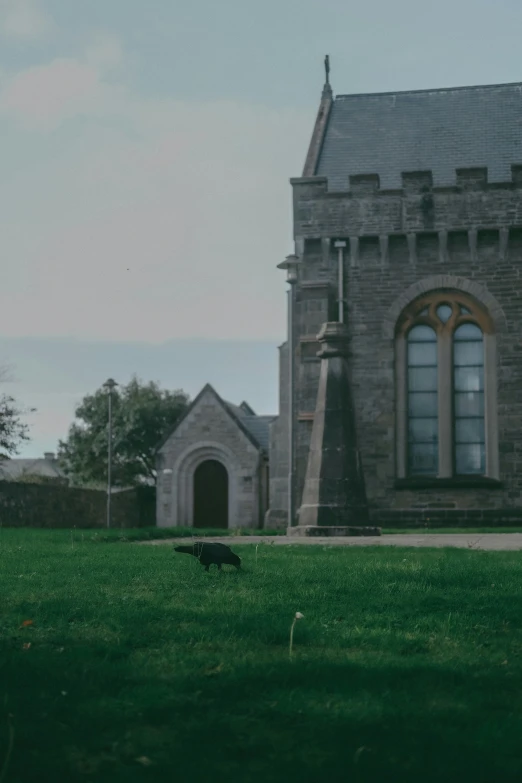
(146, 152)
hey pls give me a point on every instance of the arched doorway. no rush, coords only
(211, 495)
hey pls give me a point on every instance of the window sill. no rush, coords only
(455, 482)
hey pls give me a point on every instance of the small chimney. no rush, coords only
(49, 455)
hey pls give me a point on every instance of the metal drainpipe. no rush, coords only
(110, 385)
(109, 463)
(291, 411)
(291, 264)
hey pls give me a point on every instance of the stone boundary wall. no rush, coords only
(56, 506)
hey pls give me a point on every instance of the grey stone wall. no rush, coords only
(53, 505)
(208, 432)
(469, 237)
(276, 515)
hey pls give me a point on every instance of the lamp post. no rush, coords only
(110, 386)
(291, 264)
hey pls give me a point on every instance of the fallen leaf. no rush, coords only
(144, 760)
(26, 623)
(214, 670)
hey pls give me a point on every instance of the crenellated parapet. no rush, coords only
(364, 209)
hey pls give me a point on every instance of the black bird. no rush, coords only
(208, 553)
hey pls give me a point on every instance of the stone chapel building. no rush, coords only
(414, 201)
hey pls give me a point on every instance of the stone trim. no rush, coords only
(436, 517)
(437, 282)
(307, 284)
(454, 482)
(312, 179)
(319, 132)
(183, 481)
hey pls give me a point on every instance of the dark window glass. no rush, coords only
(468, 391)
(423, 452)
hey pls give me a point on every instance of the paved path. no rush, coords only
(493, 541)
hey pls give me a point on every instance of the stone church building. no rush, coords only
(213, 468)
(408, 230)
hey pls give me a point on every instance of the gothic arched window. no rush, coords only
(446, 389)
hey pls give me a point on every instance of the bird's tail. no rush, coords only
(186, 550)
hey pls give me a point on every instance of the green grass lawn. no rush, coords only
(142, 667)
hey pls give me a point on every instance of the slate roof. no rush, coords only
(14, 469)
(437, 130)
(258, 426)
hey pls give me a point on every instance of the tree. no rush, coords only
(13, 431)
(142, 414)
